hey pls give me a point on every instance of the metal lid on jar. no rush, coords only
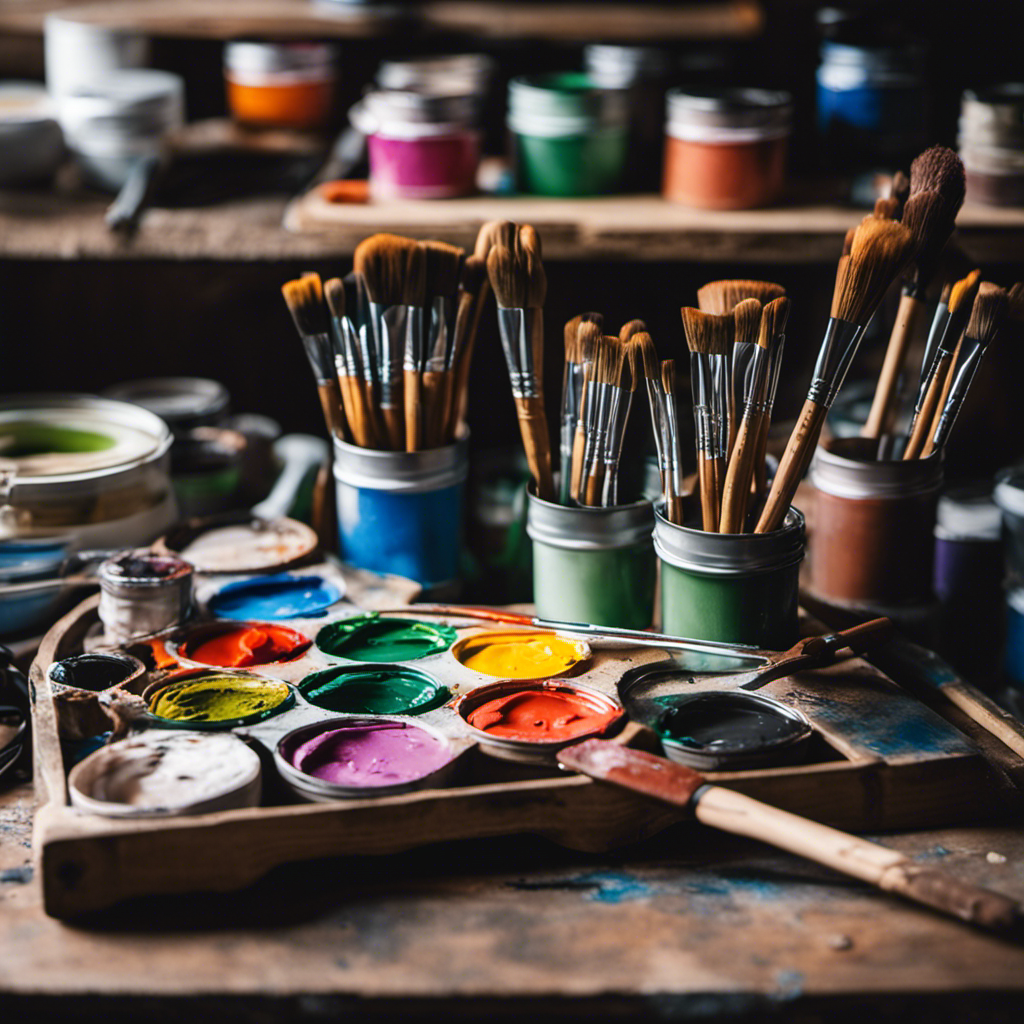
(261, 58)
(968, 513)
(589, 529)
(728, 115)
(460, 72)
(563, 103)
(847, 467)
(613, 66)
(143, 568)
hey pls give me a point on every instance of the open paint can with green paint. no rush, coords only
(215, 699)
(383, 638)
(738, 588)
(380, 690)
(593, 565)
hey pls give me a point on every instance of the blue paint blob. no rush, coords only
(281, 596)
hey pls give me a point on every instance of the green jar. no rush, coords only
(571, 137)
(593, 565)
(731, 587)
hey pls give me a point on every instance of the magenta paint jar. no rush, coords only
(421, 145)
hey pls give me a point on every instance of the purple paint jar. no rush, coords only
(421, 145)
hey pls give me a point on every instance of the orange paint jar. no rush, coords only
(725, 149)
(281, 85)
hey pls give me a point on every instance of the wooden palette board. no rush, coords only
(880, 760)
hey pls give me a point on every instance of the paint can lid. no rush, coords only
(181, 402)
(1009, 491)
(968, 513)
(711, 114)
(589, 529)
(247, 57)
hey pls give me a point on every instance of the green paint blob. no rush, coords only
(372, 638)
(23, 439)
(220, 700)
(386, 691)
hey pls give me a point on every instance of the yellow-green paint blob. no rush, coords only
(220, 699)
(533, 654)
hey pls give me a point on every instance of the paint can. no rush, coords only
(593, 565)
(467, 73)
(725, 149)
(873, 546)
(731, 587)
(401, 512)
(80, 54)
(76, 683)
(142, 593)
(421, 145)
(183, 403)
(570, 137)
(31, 142)
(991, 143)
(1009, 496)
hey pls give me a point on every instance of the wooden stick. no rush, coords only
(413, 411)
(330, 403)
(736, 495)
(923, 422)
(760, 456)
(708, 494)
(533, 426)
(883, 406)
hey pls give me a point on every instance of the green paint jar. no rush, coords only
(731, 587)
(593, 565)
(570, 137)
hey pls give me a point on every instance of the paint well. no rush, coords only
(520, 655)
(717, 724)
(274, 597)
(387, 691)
(369, 754)
(373, 638)
(257, 643)
(92, 671)
(543, 716)
(215, 699)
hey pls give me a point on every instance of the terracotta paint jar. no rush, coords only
(725, 149)
(873, 545)
(281, 85)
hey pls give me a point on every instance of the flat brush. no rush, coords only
(631, 328)
(348, 365)
(674, 478)
(572, 400)
(660, 779)
(746, 317)
(520, 287)
(471, 295)
(629, 377)
(987, 315)
(443, 271)
(588, 337)
(414, 298)
(880, 251)
(651, 369)
(305, 300)
(601, 400)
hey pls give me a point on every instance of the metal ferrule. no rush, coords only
(346, 348)
(414, 352)
(599, 403)
(755, 387)
(658, 421)
(368, 352)
(517, 328)
(674, 444)
(838, 348)
(441, 334)
(720, 365)
(572, 392)
(939, 323)
(388, 326)
(742, 358)
(702, 391)
(774, 371)
(971, 353)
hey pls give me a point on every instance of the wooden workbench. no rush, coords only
(691, 925)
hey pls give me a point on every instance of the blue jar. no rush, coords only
(401, 512)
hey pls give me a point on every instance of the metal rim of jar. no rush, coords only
(753, 110)
(539, 99)
(138, 671)
(250, 57)
(968, 513)
(335, 672)
(124, 586)
(580, 528)
(905, 58)
(424, 73)
(310, 785)
(996, 161)
(729, 554)
(186, 676)
(1009, 492)
(843, 477)
(189, 398)
(401, 472)
(617, 66)
(391, 110)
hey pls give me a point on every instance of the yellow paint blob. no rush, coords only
(520, 655)
(219, 698)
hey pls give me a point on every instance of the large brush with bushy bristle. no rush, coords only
(880, 252)
(936, 195)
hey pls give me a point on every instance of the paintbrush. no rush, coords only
(520, 287)
(731, 811)
(880, 251)
(900, 191)
(572, 399)
(305, 300)
(348, 365)
(709, 337)
(414, 298)
(760, 483)
(603, 394)
(937, 186)
(935, 386)
(746, 316)
(650, 367)
(382, 262)
(455, 385)
(736, 496)
(588, 337)
(631, 328)
(674, 478)
(987, 315)
(629, 377)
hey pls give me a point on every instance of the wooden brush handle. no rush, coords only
(413, 411)
(709, 506)
(923, 421)
(882, 407)
(394, 428)
(434, 415)
(579, 444)
(533, 426)
(760, 455)
(330, 403)
(888, 869)
(373, 420)
(352, 403)
(736, 494)
(595, 485)
(795, 460)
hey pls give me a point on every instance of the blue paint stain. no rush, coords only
(616, 887)
(281, 596)
(788, 985)
(936, 852)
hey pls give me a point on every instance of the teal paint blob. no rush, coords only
(390, 690)
(373, 638)
(281, 596)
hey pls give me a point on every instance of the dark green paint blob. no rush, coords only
(385, 691)
(372, 638)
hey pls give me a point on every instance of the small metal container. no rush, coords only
(76, 683)
(142, 593)
(320, 791)
(529, 752)
(465, 73)
(731, 587)
(873, 544)
(1009, 496)
(362, 689)
(791, 731)
(178, 679)
(991, 142)
(401, 512)
(593, 565)
(183, 644)
(183, 403)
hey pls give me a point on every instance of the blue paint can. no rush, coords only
(1013, 656)
(401, 512)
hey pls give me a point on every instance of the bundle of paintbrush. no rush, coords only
(390, 345)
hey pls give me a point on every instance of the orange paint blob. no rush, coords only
(244, 646)
(542, 716)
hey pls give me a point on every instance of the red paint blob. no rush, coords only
(541, 716)
(245, 646)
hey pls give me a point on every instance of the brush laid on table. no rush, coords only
(879, 253)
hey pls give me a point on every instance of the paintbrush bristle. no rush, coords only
(494, 232)
(507, 277)
(414, 284)
(773, 321)
(931, 218)
(1015, 306)
(668, 376)
(443, 267)
(334, 293)
(746, 321)
(527, 238)
(473, 275)
(939, 169)
(382, 262)
(848, 241)
(572, 348)
(711, 333)
(881, 250)
(648, 355)
(963, 292)
(632, 362)
(631, 327)
(900, 188)
(988, 312)
(529, 252)
(305, 299)
(888, 209)
(588, 336)
(606, 367)
(723, 296)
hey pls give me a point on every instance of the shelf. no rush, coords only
(56, 226)
(227, 19)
